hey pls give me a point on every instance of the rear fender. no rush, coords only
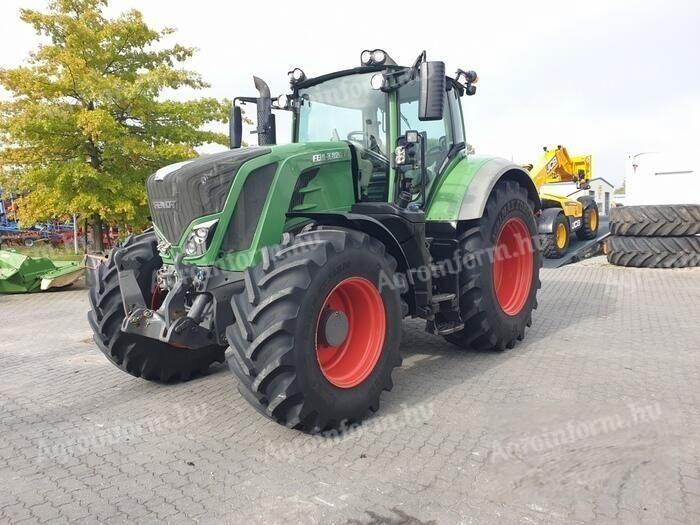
(463, 191)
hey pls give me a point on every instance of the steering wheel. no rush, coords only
(373, 150)
(377, 159)
(373, 143)
(353, 134)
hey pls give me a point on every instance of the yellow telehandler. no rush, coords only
(553, 175)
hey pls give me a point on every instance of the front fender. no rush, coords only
(587, 201)
(462, 192)
(545, 222)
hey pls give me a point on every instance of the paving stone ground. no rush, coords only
(595, 417)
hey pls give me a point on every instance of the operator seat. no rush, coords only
(366, 168)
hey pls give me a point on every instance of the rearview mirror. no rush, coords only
(235, 127)
(432, 91)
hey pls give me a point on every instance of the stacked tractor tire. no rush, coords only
(655, 236)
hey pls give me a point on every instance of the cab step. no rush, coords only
(443, 328)
(443, 298)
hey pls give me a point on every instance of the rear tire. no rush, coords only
(554, 245)
(654, 252)
(487, 326)
(274, 340)
(139, 356)
(655, 221)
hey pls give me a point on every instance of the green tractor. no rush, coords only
(297, 263)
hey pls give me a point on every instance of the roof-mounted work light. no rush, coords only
(296, 75)
(467, 79)
(377, 57)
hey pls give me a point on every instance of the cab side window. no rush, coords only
(439, 132)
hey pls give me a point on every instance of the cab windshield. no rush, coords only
(348, 109)
(345, 108)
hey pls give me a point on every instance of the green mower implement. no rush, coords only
(23, 274)
(299, 261)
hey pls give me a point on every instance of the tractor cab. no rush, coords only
(374, 108)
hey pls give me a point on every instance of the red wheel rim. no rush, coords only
(512, 266)
(352, 361)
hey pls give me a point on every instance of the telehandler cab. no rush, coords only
(302, 259)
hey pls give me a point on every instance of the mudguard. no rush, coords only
(587, 201)
(545, 222)
(364, 224)
(461, 193)
(419, 291)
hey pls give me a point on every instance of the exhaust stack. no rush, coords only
(266, 120)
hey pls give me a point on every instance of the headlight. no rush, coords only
(365, 57)
(197, 242)
(191, 248)
(378, 56)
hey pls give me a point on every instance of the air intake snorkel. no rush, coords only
(266, 120)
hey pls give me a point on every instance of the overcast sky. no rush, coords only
(605, 77)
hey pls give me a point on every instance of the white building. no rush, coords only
(662, 178)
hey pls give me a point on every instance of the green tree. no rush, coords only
(87, 121)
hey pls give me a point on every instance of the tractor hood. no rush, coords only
(179, 193)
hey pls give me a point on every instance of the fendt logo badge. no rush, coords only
(164, 205)
(324, 157)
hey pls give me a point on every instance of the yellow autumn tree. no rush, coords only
(87, 123)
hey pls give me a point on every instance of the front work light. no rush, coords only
(377, 81)
(283, 101)
(296, 75)
(467, 79)
(377, 57)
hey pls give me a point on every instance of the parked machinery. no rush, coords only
(562, 215)
(303, 258)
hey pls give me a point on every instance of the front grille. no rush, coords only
(246, 214)
(197, 188)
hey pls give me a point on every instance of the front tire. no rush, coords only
(555, 244)
(500, 275)
(290, 369)
(139, 356)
